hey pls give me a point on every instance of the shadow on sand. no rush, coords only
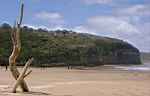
(31, 93)
(42, 94)
(37, 93)
(6, 92)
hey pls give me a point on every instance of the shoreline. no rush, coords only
(143, 67)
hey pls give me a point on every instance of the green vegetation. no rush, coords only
(61, 47)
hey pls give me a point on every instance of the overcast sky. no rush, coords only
(128, 20)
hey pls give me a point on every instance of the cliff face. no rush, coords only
(115, 51)
(126, 54)
(62, 47)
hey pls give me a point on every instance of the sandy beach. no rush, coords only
(95, 81)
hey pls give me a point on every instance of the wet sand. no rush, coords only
(95, 81)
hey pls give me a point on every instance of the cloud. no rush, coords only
(106, 25)
(46, 27)
(35, 26)
(138, 10)
(110, 24)
(119, 3)
(51, 17)
(107, 2)
(130, 23)
(48, 15)
(97, 1)
(118, 27)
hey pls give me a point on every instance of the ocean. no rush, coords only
(144, 67)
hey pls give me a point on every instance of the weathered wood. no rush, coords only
(22, 75)
(14, 70)
(28, 73)
(15, 36)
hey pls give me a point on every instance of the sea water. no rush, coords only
(144, 67)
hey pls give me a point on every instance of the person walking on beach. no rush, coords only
(69, 66)
(6, 67)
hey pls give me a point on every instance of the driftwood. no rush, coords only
(23, 74)
(15, 36)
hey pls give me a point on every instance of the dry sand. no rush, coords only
(96, 81)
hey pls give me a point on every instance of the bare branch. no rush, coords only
(13, 34)
(28, 73)
(21, 76)
(19, 22)
(21, 15)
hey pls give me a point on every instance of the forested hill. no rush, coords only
(61, 47)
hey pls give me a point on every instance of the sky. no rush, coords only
(128, 20)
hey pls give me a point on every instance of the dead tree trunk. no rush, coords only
(15, 36)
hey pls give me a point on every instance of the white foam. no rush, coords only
(134, 68)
